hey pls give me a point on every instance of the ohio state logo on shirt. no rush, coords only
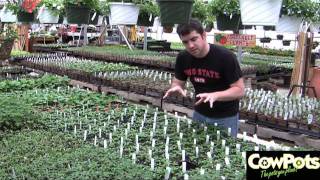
(201, 74)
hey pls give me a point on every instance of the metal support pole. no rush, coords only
(125, 38)
(145, 38)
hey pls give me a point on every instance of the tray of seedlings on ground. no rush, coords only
(292, 113)
(73, 133)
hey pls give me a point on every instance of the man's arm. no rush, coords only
(236, 91)
(176, 86)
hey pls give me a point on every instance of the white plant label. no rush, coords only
(184, 167)
(310, 118)
(167, 175)
(223, 143)
(207, 139)
(181, 135)
(85, 135)
(227, 161)
(183, 153)
(197, 152)
(105, 145)
(218, 167)
(227, 151)
(229, 131)
(152, 164)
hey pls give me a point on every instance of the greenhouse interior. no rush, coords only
(159, 89)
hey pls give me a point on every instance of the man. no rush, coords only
(215, 74)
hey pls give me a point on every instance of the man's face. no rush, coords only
(194, 43)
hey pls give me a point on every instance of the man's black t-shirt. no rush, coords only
(215, 72)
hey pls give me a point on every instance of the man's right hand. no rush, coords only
(175, 89)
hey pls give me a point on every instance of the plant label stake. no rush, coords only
(80, 125)
(223, 143)
(207, 139)
(218, 135)
(183, 153)
(165, 120)
(150, 153)
(65, 127)
(151, 135)
(181, 136)
(137, 148)
(218, 167)
(227, 161)
(75, 130)
(202, 171)
(164, 130)
(179, 145)
(125, 133)
(89, 128)
(197, 152)
(209, 155)
(85, 135)
(110, 137)
(244, 136)
(229, 131)
(167, 140)
(167, 175)
(153, 143)
(184, 167)
(95, 141)
(100, 132)
(195, 141)
(137, 139)
(152, 164)
(140, 129)
(114, 128)
(134, 158)
(238, 146)
(227, 150)
(105, 145)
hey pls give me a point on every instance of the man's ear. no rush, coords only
(204, 35)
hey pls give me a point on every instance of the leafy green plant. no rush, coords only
(309, 10)
(91, 4)
(8, 34)
(55, 6)
(199, 10)
(16, 114)
(227, 7)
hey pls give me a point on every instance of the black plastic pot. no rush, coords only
(265, 40)
(78, 15)
(279, 36)
(286, 42)
(225, 23)
(25, 17)
(175, 11)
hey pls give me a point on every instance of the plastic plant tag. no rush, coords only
(184, 167)
(75, 130)
(218, 167)
(100, 131)
(197, 152)
(137, 148)
(227, 161)
(223, 143)
(179, 145)
(105, 145)
(95, 141)
(229, 131)
(183, 153)
(227, 151)
(181, 135)
(150, 153)
(202, 171)
(110, 137)
(153, 143)
(134, 157)
(164, 130)
(218, 135)
(238, 146)
(167, 175)
(207, 139)
(152, 164)
(85, 135)
(209, 155)
(195, 141)
(167, 140)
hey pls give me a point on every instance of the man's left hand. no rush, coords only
(207, 97)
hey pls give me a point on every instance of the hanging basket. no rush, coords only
(5, 49)
(7, 16)
(123, 13)
(289, 24)
(144, 20)
(46, 16)
(175, 11)
(279, 36)
(265, 40)
(225, 22)
(25, 17)
(77, 15)
(260, 12)
(286, 42)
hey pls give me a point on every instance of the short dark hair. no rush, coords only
(187, 28)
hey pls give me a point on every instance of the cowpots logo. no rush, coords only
(282, 164)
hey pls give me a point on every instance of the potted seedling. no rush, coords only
(227, 14)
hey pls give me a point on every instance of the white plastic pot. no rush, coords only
(7, 16)
(123, 13)
(46, 16)
(260, 12)
(290, 24)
